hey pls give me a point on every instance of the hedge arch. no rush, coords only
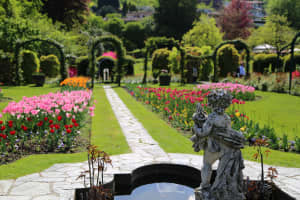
(235, 43)
(162, 42)
(57, 45)
(102, 59)
(118, 45)
(293, 66)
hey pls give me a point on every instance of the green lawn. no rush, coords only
(281, 111)
(106, 134)
(173, 141)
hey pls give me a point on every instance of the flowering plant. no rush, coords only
(75, 83)
(47, 123)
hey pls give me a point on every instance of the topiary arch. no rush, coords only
(154, 43)
(235, 43)
(293, 66)
(118, 45)
(57, 45)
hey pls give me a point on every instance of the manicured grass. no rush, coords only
(280, 111)
(106, 134)
(173, 141)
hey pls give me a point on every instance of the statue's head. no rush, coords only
(219, 100)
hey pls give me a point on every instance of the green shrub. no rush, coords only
(29, 64)
(262, 63)
(49, 65)
(82, 65)
(7, 68)
(174, 60)
(228, 59)
(129, 62)
(287, 62)
(160, 61)
(207, 64)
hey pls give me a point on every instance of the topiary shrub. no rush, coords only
(174, 60)
(29, 64)
(7, 68)
(228, 59)
(192, 60)
(82, 64)
(49, 65)
(262, 62)
(287, 62)
(160, 61)
(129, 62)
(207, 65)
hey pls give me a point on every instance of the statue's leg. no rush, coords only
(206, 172)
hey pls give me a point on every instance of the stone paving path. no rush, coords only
(59, 181)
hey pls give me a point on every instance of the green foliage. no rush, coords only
(174, 18)
(7, 8)
(275, 31)
(114, 25)
(228, 59)
(114, 3)
(82, 65)
(160, 61)
(174, 60)
(288, 63)
(288, 8)
(154, 43)
(135, 34)
(108, 9)
(204, 33)
(129, 62)
(29, 64)
(49, 65)
(7, 68)
(207, 64)
(262, 63)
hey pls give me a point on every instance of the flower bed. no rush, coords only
(75, 83)
(46, 123)
(178, 107)
(238, 91)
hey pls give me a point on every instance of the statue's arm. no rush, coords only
(205, 130)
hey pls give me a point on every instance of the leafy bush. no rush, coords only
(29, 64)
(7, 69)
(262, 63)
(160, 61)
(129, 65)
(174, 60)
(82, 65)
(228, 58)
(135, 33)
(288, 63)
(49, 65)
(207, 64)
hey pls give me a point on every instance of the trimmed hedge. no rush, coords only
(262, 62)
(129, 62)
(287, 62)
(30, 63)
(160, 61)
(228, 58)
(49, 65)
(7, 68)
(82, 64)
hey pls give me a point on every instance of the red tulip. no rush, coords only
(1, 122)
(12, 132)
(50, 121)
(59, 118)
(3, 128)
(69, 130)
(45, 119)
(73, 120)
(52, 130)
(57, 126)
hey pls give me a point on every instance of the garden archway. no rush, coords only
(118, 45)
(161, 42)
(235, 43)
(293, 64)
(57, 45)
(107, 64)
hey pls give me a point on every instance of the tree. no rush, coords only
(113, 3)
(66, 11)
(235, 20)
(114, 25)
(104, 10)
(204, 33)
(275, 31)
(174, 17)
(135, 33)
(287, 8)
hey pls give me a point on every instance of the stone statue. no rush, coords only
(220, 142)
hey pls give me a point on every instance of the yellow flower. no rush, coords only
(237, 114)
(243, 128)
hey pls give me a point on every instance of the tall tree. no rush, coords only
(236, 20)
(204, 33)
(174, 17)
(113, 3)
(287, 8)
(66, 11)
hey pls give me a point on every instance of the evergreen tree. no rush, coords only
(236, 20)
(175, 17)
(113, 3)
